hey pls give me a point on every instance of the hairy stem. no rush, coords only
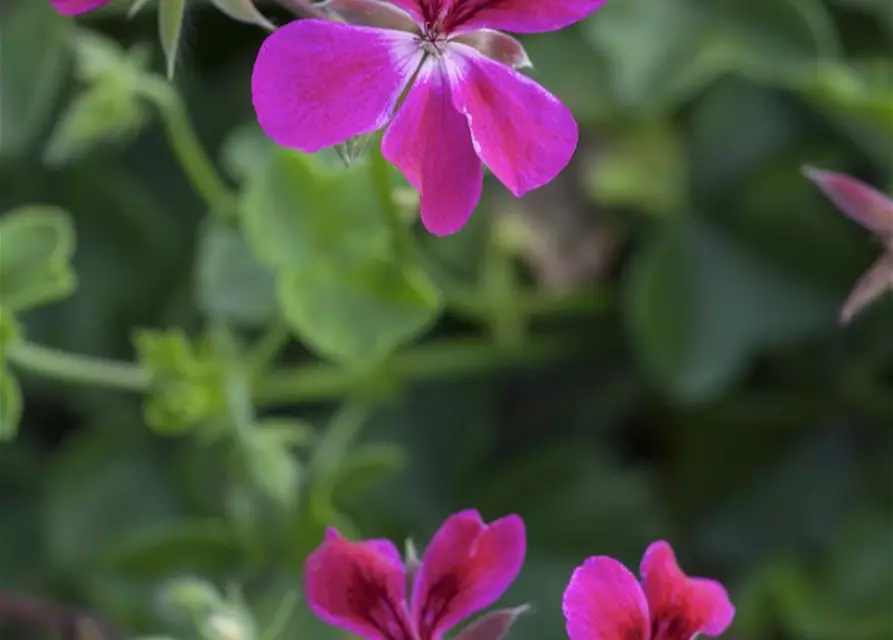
(184, 142)
(78, 369)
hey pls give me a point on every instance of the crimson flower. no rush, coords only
(319, 83)
(362, 586)
(74, 7)
(604, 601)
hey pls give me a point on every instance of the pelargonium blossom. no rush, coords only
(75, 7)
(362, 586)
(319, 83)
(604, 601)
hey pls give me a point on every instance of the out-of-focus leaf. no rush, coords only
(690, 44)
(137, 6)
(102, 60)
(90, 495)
(358, 314)
(290, 432)
(736, 307)
(10, 405)
(246, 151)
(643, 167)
(33, 62)
(735, 127)
(232, 284)
(638, 69)
(170, 26)
(297, 213)
(825, 464)
(200, 546)
(244, 11)
(100, 115)
(367, 465)
(270, 467)
(36, 247)
(659, 305)
(186, 599)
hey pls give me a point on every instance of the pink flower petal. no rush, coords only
(74, 7)
(318, 83)
(467, 567)
(520, 16)
(359, 587)
(431, 143)
(520, 130)
(604, 601)
(870, 286)
(861, 202)
(682, 607)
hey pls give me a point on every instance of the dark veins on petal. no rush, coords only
(671, 627)
(459, 12)
(370, 601)
(436, 604)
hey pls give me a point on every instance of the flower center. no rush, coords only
(433, 40)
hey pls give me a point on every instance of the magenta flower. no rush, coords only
(362, 586)
(604, 601)
(318, 83)
(75, 7)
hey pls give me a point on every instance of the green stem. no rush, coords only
(439, 360)
(77, 369)
(187, 148)
(532, 304)
(500, 286)
(381, 175)
(339, 436)
(265, 350)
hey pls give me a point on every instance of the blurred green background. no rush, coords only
(647, 348)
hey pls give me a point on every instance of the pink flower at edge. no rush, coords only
(75, 7)
(874, 211)
(318, 83)
(604, 601)
(362, 586)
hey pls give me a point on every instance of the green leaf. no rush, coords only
(10, 405)
(103, 485)
(297, 212)
(367, 465)
(732, 308)
(357, 314)
(270, 467)
(658, 305)
(102, 60)
(36, 246)
(244, 11)
(645, 168)
(105, 113)
(170, 26)
(201, 546)
(136, 7)
(32, 74)
(187, 599)
(638, 72)
(232, 284)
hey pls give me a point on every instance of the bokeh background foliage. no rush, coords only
(646, 348)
